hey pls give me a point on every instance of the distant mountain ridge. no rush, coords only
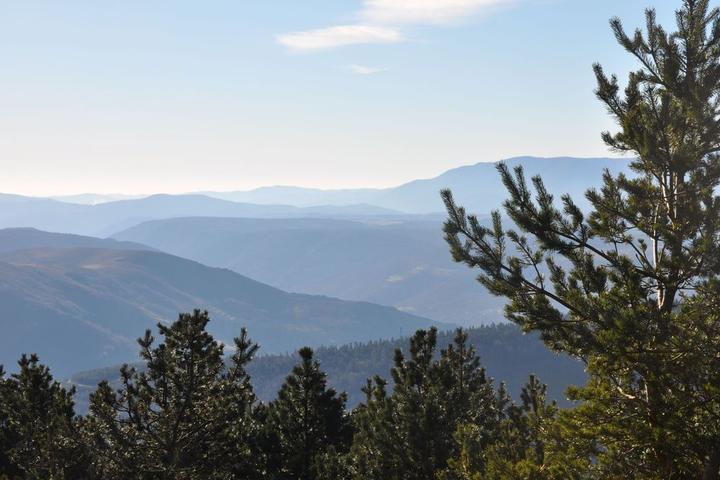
(83, 307)
(478, 186)
(106, 218)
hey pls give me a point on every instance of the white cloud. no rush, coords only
(424, 11)
(382, 21)
(364, 70)
(339, 36)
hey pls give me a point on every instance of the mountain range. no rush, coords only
(403, 263)
(477, 187)
(106, 218)
(80, 302)
(82, 307)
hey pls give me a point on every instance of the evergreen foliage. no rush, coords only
(409, 434)
(506, 354)
(305, 422)
(38, 432)
(629, 287)
(521, 442)
(185, 416)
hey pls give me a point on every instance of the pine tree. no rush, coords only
(418, 407)
(409, 435)
(185, 416)
(519, 451)
(469, 393)
(377, 448)
(522, 444)
(634, 294)
(333, 465)
(38, 435)
(305, 422)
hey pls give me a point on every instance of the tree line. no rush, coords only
(630, 288)
(348, 366)
(189, 415)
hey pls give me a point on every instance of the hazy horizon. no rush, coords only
(132, 194)
(233, 96)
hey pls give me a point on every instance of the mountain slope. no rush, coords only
(26, 238)
(84, 307)
(405, 264)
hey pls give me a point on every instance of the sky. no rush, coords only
(176, 96)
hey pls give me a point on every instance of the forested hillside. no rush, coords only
(505, 352)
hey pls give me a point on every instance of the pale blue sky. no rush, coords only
(174, 96)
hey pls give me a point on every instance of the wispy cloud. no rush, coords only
(364, 70)
(424, 11)
(339, 36)
(382, 21)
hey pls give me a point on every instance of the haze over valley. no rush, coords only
(378, 246)
(298, 266)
